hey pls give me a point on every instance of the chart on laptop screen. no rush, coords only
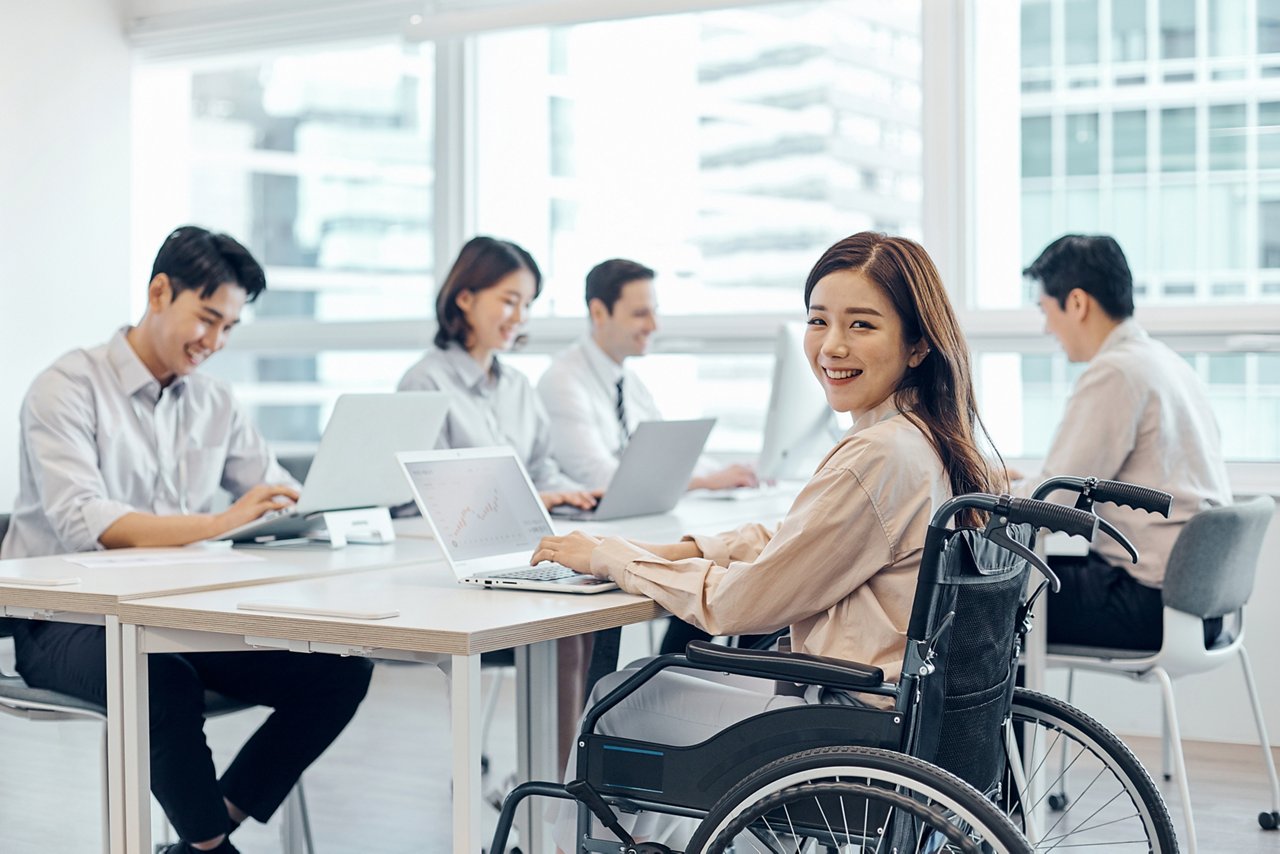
(481, 507)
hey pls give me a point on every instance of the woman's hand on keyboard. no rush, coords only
(573, 551)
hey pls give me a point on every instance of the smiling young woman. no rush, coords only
(841, 568)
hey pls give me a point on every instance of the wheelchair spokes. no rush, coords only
(1073, 784)
(852, 799)
(841, 816)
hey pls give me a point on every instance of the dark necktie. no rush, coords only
(622, 415)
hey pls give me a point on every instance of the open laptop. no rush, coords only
(653, 473)
(355, 465)
(488, 518)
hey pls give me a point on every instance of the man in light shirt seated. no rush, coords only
(594, 400)
(1138, 413)
(125, 444)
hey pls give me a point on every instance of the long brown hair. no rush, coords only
(942, 401)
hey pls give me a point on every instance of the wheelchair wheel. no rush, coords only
(854, 799)
(1078, 784)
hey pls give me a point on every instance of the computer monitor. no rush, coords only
(800, 427)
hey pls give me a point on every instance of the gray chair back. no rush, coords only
(1214, 560)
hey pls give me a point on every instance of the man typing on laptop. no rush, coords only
(594, 400)
(125, 444)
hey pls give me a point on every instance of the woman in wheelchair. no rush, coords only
(841, 568)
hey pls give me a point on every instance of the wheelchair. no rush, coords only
(1069, 781)
(922, 776)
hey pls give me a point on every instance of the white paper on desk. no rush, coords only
(161, 557)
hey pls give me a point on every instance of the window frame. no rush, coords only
(963, 43)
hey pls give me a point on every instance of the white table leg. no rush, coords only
(464, 713)
(537, 752)
(136, 726)
(116, 801)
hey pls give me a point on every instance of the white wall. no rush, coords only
(64, 192)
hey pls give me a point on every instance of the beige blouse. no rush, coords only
(840, 569)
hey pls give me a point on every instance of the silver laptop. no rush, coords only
(355, 465)
(488, 518)
(653, 473)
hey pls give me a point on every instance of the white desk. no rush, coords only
(97, 598)
(439, 622)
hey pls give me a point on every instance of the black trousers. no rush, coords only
(1103, 605)
(313, 697)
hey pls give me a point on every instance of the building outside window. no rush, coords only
(1136, 124)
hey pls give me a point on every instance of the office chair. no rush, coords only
(18, 699)
(1210, 574)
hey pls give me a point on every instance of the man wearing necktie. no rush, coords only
(595, 400)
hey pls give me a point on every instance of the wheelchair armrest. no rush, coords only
(786, 666)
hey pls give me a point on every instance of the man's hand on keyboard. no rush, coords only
(573, 551)
(731, 477)
(257, 502)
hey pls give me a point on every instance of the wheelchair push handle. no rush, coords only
(1055, 517)
(1093, 490)
(1015, 511)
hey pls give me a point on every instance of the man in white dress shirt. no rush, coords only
(126, 444)
(594, 400)
(1138, 413)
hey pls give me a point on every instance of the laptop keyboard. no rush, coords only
(541, 572)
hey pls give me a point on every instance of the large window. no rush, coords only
(321, 162)
(1181, 174)
(725, 149)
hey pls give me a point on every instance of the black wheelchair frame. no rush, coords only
(952, 698)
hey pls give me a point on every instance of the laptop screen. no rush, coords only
(482, 506)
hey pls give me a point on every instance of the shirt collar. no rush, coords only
(469, 372)
(1127, 330)
(887, 409)
(600, 362)
(134, 376)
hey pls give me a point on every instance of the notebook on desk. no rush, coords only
(487, 519)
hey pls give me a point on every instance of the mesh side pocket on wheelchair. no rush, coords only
(961, 712)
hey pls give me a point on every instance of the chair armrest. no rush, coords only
(786, 666)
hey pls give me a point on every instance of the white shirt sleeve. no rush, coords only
(249, 461)
(546, 475)
(58, 427)
(576, 441)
